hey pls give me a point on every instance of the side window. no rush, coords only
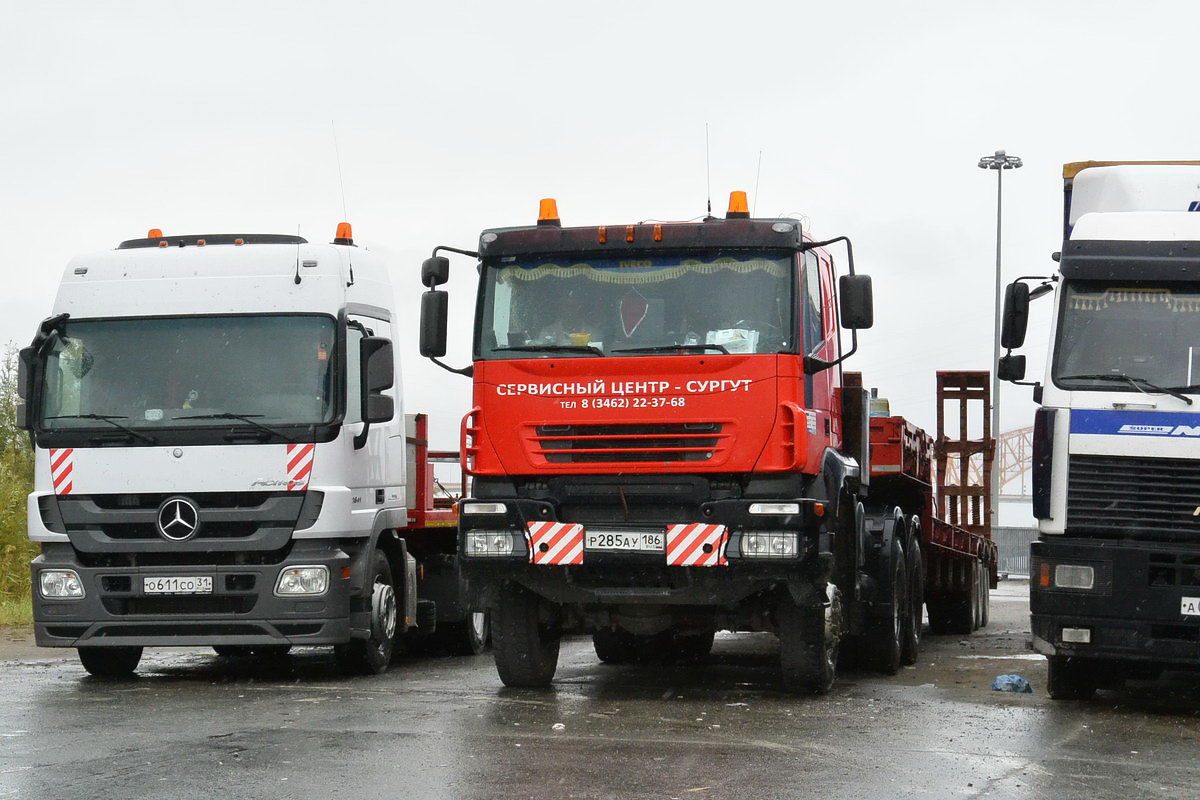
(354, 337)
(814, 327)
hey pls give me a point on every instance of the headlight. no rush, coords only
(302, 580)
(488, 543)
(1071, 576)
(774, 508)
(769, 544)
(60, 583)
(484, 508)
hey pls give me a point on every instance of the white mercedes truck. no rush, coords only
(1115, 584)
(222, 458)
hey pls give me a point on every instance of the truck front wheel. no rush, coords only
(1069, 678)
(110, 662)
(372, 655)
(525, 645)
(808, 643)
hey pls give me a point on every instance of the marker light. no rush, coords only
(344, 234)
(302, 580)
(738, 207)
(60, 583)
(201, 242)
(629, 233)
(602, 233)
(657, 232)
(155, 233)
(548, 214)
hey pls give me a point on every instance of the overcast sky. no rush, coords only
(452, 117)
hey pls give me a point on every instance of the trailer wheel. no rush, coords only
(110, 662)
(885, 639)
(985, 595)
(1069, 678)
(615, 646)
(466, 638)
(977, 600)
(692, 646)
(910, 633)
(808, 642)
(525, 646)
(372, 655)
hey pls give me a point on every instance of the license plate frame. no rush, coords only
(1189, 606)
(177, 584)
(610, 541)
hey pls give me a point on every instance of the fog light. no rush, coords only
(774, 508)
(60, 583)
(769, 544)
(484, 508)
(302, 580)
(1071, 576)
(1077, 635)
(488, 543)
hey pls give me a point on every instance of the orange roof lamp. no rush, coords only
(344, 234)
(155, 233)
(548, 214)
(738, 207)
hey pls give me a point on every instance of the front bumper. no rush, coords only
(1133, 613)
(242, 608)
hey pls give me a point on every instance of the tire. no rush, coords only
(1069, 678)
(615, 646)
(977, 599)
(466, 638)
(110, 662)
(266, 652)
(692, 646)
(884, 640)
(910, 633)
(525, 645)
(808, 643)
(372, 655)
(985, 595)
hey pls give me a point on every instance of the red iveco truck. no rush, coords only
(663, 444)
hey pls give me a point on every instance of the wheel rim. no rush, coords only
(478, 624)
(833, 627)
(384, 607)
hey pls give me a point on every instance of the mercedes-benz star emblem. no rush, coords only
(178, 519)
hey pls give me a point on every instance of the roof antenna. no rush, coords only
(707, 171)
(296, 280)
(342, 185)
(757, 175)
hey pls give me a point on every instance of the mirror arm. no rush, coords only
(468, 370)
(360, 438)
(813, 365)
(449, 249)
(804, 246)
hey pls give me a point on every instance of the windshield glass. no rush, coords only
(732, 302)
(1146, 333)
(155, 373)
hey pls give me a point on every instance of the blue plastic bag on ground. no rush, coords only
(1011, 683)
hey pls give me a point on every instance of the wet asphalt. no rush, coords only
(192, 725)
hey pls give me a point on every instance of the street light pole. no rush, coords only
(999, 161)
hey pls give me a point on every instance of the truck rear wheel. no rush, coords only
(884, 640)
(110, 662)
(910, 633)
(524, 644)
(1069, 678)
(808, 643)
(372, 655)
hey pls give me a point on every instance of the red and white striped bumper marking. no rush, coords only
(696, 545)
(555, 543)
(299, 465)
(62, 465)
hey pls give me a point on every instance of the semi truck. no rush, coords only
(1115, 587)
(662, 444)
(222, 458)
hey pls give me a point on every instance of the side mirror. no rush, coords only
(434, 313)
(435, 271)
(1011, 368)
(25, 359)
(1016, 316)
(857, 306)
(378, 370)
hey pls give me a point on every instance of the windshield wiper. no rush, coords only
(1141, 384)
(246, 418)
(550, 348)
(669, 348)
(111, 419)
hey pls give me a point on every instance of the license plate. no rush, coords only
(625, 541)
(1190, 606)
(196, 584)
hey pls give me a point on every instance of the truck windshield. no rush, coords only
(179, 372)
(713, 303)
(1112, 336)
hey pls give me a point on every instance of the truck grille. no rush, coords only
(624, 443)
(1135, 498)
